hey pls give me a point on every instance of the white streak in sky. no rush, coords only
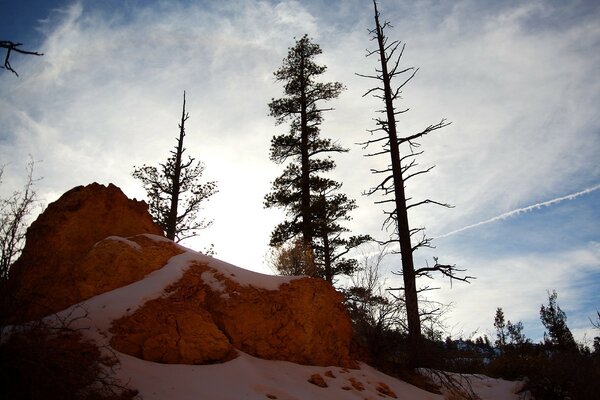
(523, 210)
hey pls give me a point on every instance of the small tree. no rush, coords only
(330, 245)
(377, 317)
(14, 211)
(500, 325)
(10, 47)
(515, 332)
(174, 192)
(555, 321)
(596, 343)
(293, 259)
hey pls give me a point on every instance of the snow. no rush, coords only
(125, 300)
(251, 378)
(97, 313)
(245, 277)
(242, 276)
(245, 377)
(120, 239)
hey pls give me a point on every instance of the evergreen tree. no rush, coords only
(555, 321)
(515, 332)
(312, 202)
(500, 325)
(174, 190)
(330, 245)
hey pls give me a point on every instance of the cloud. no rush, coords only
(519, 285)
(523, 210)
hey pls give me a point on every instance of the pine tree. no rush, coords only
(312, 201)
(500, 325)
(331, 246)
(174, 190)
(555, 321)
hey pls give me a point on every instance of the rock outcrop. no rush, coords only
(60, 266)
(94, 240)
(303, 322)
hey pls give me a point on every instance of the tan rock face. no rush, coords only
(174, 329)
(302, 322)
(59, 267)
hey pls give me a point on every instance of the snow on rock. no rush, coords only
(301, 320)
(195, 309)
(246, 277)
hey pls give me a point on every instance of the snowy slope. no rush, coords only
(245, 377)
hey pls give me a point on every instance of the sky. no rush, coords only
(519, 162)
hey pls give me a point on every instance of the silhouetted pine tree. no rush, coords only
(555, 321)
(310, 200)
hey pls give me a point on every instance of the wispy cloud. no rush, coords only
(522, 210)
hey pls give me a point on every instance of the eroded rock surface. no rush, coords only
(59, 267)
(303, 321)
(93, 240)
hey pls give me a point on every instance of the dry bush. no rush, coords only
(549, 373)
(44, 362)
(293, 260)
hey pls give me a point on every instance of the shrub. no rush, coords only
(44, 362)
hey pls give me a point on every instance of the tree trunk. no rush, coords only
(327, 261)
(172, 218)
(307, 234)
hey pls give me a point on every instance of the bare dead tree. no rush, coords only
(596, 324)
(10, 47)
(401, 168)
(14, 212)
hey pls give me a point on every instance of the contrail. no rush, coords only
(523, 210)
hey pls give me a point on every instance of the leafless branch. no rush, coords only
(10, 47)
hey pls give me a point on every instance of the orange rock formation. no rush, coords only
(303, 322)
(92, 240)
(59, 265)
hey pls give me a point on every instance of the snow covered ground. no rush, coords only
(251, 378)
(244, 377)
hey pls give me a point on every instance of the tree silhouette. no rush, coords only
(14, 211)
(555, 321)
(501, 330)
(330, 245)
(10, 47)
(174, 191)
(400, 169)
(311, 201)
